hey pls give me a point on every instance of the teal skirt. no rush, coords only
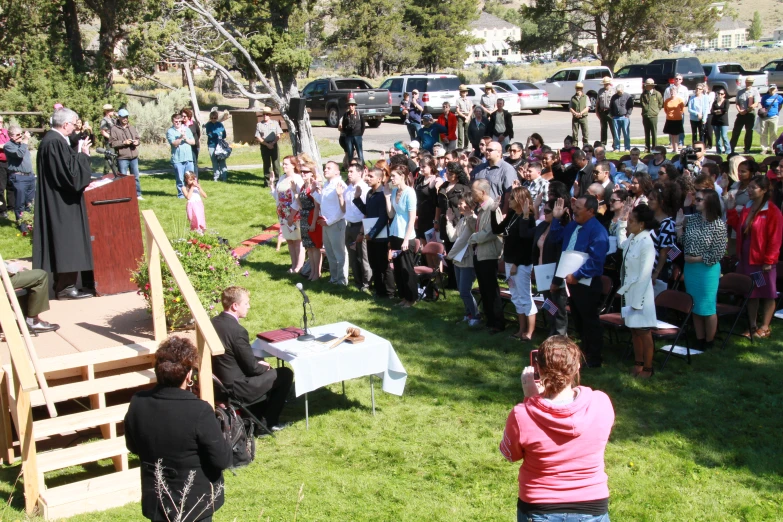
(701, 282)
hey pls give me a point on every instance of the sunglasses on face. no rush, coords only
(547, 211)
(614, 200)
(698, 200)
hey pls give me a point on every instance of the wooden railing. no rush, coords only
(208, 343)
(23, 383)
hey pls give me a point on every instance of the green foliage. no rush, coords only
(153, 119)
(442, 28)
(27, 218)
(754, 31)
(619, 26)
(207, 99)
(210, 266)
(492, 73)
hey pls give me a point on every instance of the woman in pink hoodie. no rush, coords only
(560, 433)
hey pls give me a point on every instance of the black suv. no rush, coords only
(664, 70)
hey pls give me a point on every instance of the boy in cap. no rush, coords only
(125, 140)
(428, 133)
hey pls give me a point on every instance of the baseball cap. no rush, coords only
(122, 113)
(426, 116)
(415, 144)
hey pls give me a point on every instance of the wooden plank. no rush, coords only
(96, 494)
(81, 454)
(6, 434)
(28, 342)
(156, 285)
(182, 280)
(18, 353)
(79, 421)
(102, 385)
(24, 427)
(206, 390)
(95, 357)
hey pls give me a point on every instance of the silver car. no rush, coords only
(475, 92)
(531, 98)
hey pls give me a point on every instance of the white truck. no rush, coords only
(560, 86)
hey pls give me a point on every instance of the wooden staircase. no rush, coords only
(92, 374)
(97, 373)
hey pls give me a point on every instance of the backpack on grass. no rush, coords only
(239, 434)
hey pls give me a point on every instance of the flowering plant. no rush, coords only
(210, 265)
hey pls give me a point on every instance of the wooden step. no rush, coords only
(79, 421)
(96, 494)
(81, 454)
(103, 385)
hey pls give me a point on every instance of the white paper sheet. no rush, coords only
(612, 245)
(544, 275)
(461, 253)
(570, 262)
(369, 223)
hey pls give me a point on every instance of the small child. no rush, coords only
(567, 152)
(195, 209)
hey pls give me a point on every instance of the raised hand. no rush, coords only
(731, 201)
(627, 207)
(680, 219)
(537, 202)
(450, 214)
(357, 193)
(557, 212)
(340, 189)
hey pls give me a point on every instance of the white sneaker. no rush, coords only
(474, 322)
(140, 198)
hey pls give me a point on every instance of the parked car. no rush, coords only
(327, 98)
(664, 70)
(774, 70)
(731, 77)
(530, 97)
(636, 70)
(560, 86)
(475, 92)
(434, 89)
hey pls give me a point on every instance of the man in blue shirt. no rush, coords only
(430, 132)
(768, 112)
(582, 234)
(180, 138)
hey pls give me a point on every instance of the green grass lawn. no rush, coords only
(699, 442)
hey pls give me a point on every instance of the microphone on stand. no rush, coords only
(105, 152)
(306, 300)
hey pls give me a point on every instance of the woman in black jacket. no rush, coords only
(720, 121)
(517, 230)
(176, 435)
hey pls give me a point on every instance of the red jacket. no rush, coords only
(451, 124)
(766, 233)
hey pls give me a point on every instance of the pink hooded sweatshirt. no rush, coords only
(562, 447)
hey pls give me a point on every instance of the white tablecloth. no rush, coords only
(315, 366)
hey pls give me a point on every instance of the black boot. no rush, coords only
(699, 344)
(708, 345)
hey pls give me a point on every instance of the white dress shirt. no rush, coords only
(353, 214)
(329, 201)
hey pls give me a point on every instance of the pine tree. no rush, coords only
(754, 32)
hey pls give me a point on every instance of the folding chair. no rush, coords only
(676, 277)
(433, 253)
(739, 287)
(717, 158)
(624, 158)
(222, 396)
(681, 303)
(779, 285)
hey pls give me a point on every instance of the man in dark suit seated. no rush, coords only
(244, 376)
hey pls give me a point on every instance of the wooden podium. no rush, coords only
(115, 231)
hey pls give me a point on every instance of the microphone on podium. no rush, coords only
(301, 290)
(306, 301)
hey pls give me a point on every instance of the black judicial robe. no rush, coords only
(61, 232)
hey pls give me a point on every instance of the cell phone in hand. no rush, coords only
(534, 364)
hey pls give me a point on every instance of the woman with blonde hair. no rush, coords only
(312, 238)
(560, 432)
(286, 192)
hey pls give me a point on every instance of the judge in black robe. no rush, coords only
(61, 232)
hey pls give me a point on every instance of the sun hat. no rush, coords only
(606, 80)
(649, 81)
(463, 88)
(108, 107)
(579, 85)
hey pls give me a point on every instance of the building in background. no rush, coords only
(495, 34)
(729, 33)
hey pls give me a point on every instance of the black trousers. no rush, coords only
(270, 409)
(487, 277)
(708, 132)
(697, 131)
(558, 323)
(7, 199)
(382, 273)
(606, 124)
(270, 159)
(449, 264)
(745, 121)
(585, 301)
(650, 132)
(404, 273)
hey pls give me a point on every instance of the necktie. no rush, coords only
(572, 241)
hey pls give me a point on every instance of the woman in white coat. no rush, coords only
(638, 306)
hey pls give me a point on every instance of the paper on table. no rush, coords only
(612, 245)
(570, 262)
(369, 223)
(544, 275)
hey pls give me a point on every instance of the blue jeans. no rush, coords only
(722, 136)
(219, 169)
(355, 143)
(465, 279)
(561, 517)
(24, 189)
(621, 125)
(180, 169)
(413, 129)
(124, 164)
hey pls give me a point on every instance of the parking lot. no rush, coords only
(552, 124)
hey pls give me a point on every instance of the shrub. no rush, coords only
(210, 265)
(207, 99)
(27, 219)
(152, 119)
